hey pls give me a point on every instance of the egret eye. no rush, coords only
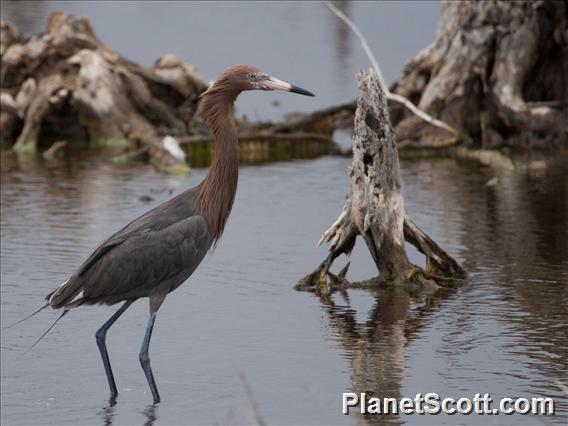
(250, 75)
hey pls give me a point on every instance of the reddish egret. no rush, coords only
(157, 252)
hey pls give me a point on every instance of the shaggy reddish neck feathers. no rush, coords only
(215, 195)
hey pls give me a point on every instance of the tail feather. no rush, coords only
(65, 294)
(68, 294)
(45, 333)
(28, 317)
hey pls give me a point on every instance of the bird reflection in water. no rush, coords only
(151, 414)
(108, 413)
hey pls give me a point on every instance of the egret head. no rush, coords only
(238, 78)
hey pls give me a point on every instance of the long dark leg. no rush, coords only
(101, 337)
(145, 358)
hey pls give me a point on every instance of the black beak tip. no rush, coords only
(296, 89)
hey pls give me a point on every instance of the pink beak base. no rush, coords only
(275, 84)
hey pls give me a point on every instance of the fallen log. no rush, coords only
(254, 148)
(375, 208)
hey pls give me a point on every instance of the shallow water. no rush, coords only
(503, 332)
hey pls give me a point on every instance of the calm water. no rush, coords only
(503, 332)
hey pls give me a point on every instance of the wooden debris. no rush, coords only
(66, 84)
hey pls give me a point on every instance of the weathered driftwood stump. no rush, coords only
(375, 208)
(497, 71)
(67, 84)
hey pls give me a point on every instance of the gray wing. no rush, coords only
(147, 262)
(166, 214)
(176, 221)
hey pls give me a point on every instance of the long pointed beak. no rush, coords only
(275, 84)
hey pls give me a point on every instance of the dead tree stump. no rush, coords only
(375, 208)
(497, 71)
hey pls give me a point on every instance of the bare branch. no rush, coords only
(421, 114)
(391, 96)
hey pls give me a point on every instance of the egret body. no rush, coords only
(157, 252)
